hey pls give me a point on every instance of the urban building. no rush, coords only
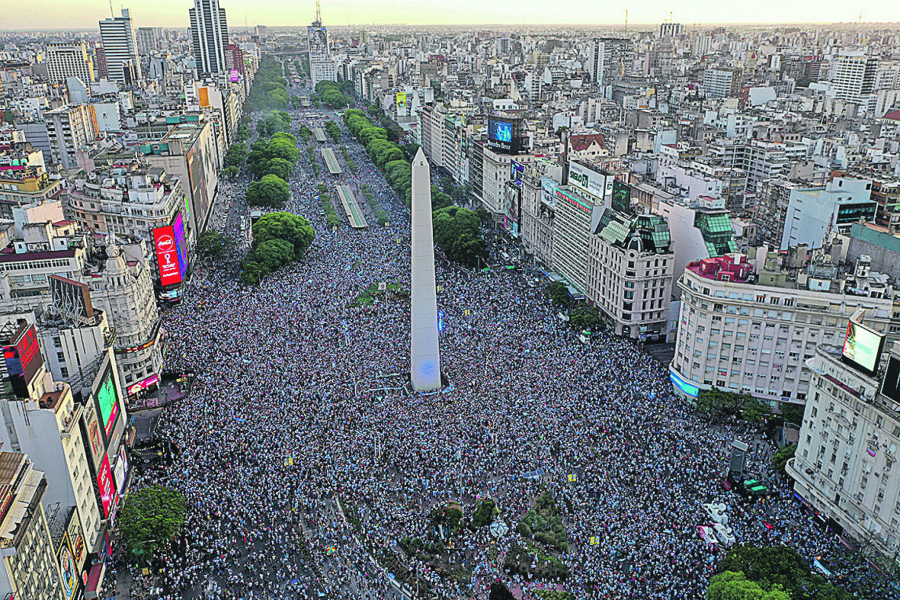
(71, 129)
(321, 64)
(813, 214)
(630, 273)
(28, 555)
(147, 40)
(69, 60)
(750, 330)
(209, 36)
(853, 75)
(571, 236)
(120, 49)
(843, 468)
(722, 83)
(23, 178)
(609, 59)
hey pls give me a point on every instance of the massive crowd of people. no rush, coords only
(301, 413)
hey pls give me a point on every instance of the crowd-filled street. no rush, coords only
(305, 458)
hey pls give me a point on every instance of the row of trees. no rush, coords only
(333, 129)
(721, 404)
(269, 89)
(580, 317)
(275, 121)
(457, 231)
(770, 573)
(333, 94)
(278, 239)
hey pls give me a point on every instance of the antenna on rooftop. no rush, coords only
(111, 11)
(318, 12)
(626, 21)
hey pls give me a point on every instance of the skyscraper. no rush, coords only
(321, 66)
(853, 75)
(69, 60)
(609, 59)
(120, 46)
(209, 36)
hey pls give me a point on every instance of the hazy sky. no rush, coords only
(38, 14)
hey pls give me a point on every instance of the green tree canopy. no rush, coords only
(272, 254)
(285, 226)
(211, 244)
(457, 231)
(779, 567)
(559, 293)
(781, 458)
(734, 586)
(271, 191)
(148, 519)
(585, 317)
(236, 155)
(279, 167)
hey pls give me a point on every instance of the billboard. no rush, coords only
(76, 541)
(203, 94)
(890, 387)
(120, 473)
(180, 246)
(587, 180)
(401, 100)
(68, 570)
(166, 255)
(621, 197)
(22, 358)
(548, 191)
(516, 169)
(109, 403)
(106, 486)
(234, 76)
(862, 347)
(503, 135)
(511, 209)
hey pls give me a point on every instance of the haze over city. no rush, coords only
(60, 14)
(417, 300)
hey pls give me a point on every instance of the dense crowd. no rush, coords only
(300, 410)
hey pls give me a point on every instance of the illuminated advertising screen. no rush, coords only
(180, 247)
(106, 486)
(511, 210)
(234, 75)
(862, 347)
(890, 387)
(68, 570)
(120, 473)
(167, 255)
(500, 131)
(621, 197)
(515, 172)
(109, 403)
(76, 541)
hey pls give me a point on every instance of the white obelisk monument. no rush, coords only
(425, 358)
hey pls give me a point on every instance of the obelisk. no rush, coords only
(425, 356)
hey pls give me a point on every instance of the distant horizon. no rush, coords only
(66, 15)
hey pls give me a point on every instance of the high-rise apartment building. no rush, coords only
(120, 47)
(722, 83)
(209, 36)
(321, 64)
(752, 331)
(69, 60)
(853, 75)
(609, 59)
(843, 468)
(669, 29)
(29, 568)
(147, 40)
(70, 129)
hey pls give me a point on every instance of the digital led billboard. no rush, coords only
(511, 209)
(504, 135)
(621, 197)
(862, 347)
(109, 403)
(890, 387)
(500, 131)
(167, 255)
(180, 246)
(106, 486)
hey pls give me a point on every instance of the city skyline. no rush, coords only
(59, 14)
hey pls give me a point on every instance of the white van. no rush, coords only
(724, 534)
(716, 513)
